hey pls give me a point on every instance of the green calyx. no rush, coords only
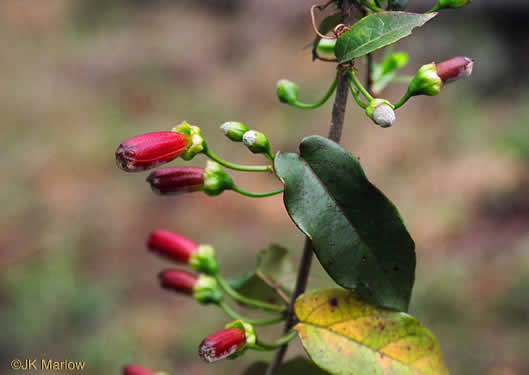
(452, 3)
(203, 260)
(257, 142)
(196, 141)
(234, 130)
(425, 82)
(206, 291)
(374, 104)
(287, 91)
(381, 112)
(249, 332)
(216, 180)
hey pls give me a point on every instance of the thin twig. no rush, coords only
(335, 132)
(272, 285)
(301, 284)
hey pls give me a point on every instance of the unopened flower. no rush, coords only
(136, 370)
(430, 78)
(234, 130)
(171, 245)
(257, 142)
(287, 91)
(150, 150)
(203, 288)
(176, 180)
(183, 250)
(178, 281)
(222, 344)
(455, 68)
(381, 112)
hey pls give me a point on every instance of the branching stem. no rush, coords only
(245, 300)
(335, 133)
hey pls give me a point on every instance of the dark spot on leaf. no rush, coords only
(333, 302)
(364, 259)
(381, 326)
(409, 348)
(396, 268)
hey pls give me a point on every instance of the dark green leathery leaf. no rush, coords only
(358, 234)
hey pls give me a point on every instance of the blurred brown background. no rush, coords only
(80, 76)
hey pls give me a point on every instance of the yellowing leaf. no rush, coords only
(345, 335)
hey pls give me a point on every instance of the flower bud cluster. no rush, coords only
(256, 141)
(430, 78)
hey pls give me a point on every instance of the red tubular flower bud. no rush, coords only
(171, 245)
(178, 281)
(136, 370)
(221, 344)
(454, 69)
(176, 180)
(150, 150)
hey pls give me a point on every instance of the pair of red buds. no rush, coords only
(150, 150)
(200, 257)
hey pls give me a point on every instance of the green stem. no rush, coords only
(291, 335)
(256, 195)
(403, 100)
(234, 315)
(320, 102)
(237, 167)
(245, 300)
(356, 96)
(372, 7)
(360, 87)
